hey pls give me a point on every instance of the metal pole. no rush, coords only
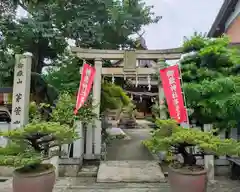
(184, 97)
(191, 149)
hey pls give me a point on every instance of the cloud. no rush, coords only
(180, 18)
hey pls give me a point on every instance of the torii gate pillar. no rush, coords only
(161, 95)
(96, 102)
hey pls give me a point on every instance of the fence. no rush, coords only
(84, 147)
(233, 134)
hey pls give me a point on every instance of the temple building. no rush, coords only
(142, 90)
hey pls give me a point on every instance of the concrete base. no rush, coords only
(222, 170)
(88, 171)
(130, 171)
(6, 171)
(68, 170)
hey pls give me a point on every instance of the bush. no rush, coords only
(175, 139)
(29, 146)
(62, 112)
(113, 97)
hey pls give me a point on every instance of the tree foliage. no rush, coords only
(100, 24)
(113, 97)
(62, 111)
(67, 79)
(45, 31)
(65, 76)
(211, 83)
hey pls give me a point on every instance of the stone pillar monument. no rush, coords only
(21, 90)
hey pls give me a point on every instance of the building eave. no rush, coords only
(218, 27)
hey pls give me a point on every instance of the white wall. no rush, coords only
(4, 126)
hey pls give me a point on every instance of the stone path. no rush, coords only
(130, 148)
(89, 185)
(130, 171)
(128, 160)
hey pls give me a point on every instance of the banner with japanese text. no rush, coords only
(173, 93)
(87, 77)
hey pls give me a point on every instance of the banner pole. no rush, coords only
(184, 97)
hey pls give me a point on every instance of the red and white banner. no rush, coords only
(88, 74)
(173, 93)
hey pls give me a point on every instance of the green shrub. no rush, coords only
(29, 146)
(113, 97)
(175, 139)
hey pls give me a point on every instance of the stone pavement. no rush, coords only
(130, 171)
(130, 148)
(88, 184)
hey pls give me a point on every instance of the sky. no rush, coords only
(179, 18)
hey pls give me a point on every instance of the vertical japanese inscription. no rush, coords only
(85, 84)
(172, 82)
(21, 90)
(20, 71)
(17, 98)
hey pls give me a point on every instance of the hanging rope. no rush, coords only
(136, 80)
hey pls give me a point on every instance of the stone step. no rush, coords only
(122, 186)
(130, 171)
(88, 171)
(88, 184)
(116, 190)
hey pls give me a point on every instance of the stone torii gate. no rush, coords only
(129, 70)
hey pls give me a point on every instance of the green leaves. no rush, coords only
(113, 97)
(28, 144)
(20, 152)
(210, 86)
(169, 134)
(63, 111)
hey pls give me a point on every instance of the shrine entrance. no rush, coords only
(142, 166)
(128, 69)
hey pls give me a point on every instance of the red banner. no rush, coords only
(88, 74)
(173, 93)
